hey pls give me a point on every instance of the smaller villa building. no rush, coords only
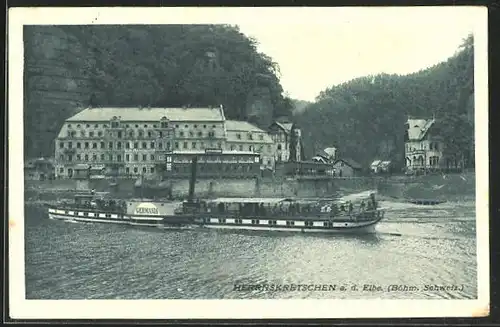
(423, 146)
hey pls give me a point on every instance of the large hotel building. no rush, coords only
(150, 141)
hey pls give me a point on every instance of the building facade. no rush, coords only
(347, 168)
(214, 163)
(132, 142)
(285, 136)
(243, 136)
(423, 146)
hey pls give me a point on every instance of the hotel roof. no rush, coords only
(246, 127)
(149, 114)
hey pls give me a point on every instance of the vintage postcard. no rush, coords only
(248, 162)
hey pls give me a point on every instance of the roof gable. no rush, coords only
(351, 163)
(418, 128)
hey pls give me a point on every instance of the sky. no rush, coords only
(314, 54)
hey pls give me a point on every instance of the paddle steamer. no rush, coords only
(355, 213)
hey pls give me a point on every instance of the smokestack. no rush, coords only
(192, 181)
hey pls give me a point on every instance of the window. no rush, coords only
(145, 126)
(144, 169)
(149, 134)
(119, 134)
(200, 134)
(91, 134)
(119, 145)
(69, 125)
(144, 145)
(261, 137)
(82, 133)
(238, 136)
(61, 170)
(176, 145)
(127, 157)
(181, 134)
(219, 145)
(86, 145)
(94, 145)
(119, 158)
(127, 145)
(213, 126)
(160, 145)
(160, 134)
(163, 125)
(127, 170)
(211, 134)
(141, 133)
(193, 144)
(168, 145)
(250, 148)
(136, 157)
(73, 133)
(78, 157)
(70, 145)
(131, 134)
(78, 145)
(136, 126)
(232, 147)
(78, 126)
(152, 145)
(279, 146)
(135, 170)
(110, 145)
(152, 157)
(191, 134)
(241, 147)
(250, 136)
(61, 157)
(110, 157)
(136, 145)
(114, 124)
(176, 126)
(86, 157)
(185, 145)
(195, 126)
(144, 157)
(102, 145)
(185, 126)
(94, 157)
(102, 157)
(99, 133)
(152, 170)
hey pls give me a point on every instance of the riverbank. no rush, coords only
(452, 187)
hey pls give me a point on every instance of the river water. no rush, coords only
(415, 246)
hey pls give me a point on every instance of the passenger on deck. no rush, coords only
(351, 207)
(342, 207)
(262, 210)
(335, 210)
(363, 205)
(374, 202)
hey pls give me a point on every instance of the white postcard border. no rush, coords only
(20, 308)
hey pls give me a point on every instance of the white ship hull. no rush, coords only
(284, 224)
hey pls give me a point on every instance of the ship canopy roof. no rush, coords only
(249, 200)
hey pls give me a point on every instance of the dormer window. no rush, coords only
(250, 136)
(238, 136)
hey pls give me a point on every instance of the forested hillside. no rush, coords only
(70, 67)
(365, 117)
